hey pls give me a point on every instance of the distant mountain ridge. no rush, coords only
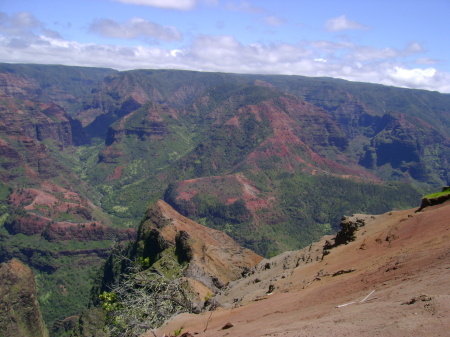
(243, 123)
(162, 126)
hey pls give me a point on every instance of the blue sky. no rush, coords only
(396, 42)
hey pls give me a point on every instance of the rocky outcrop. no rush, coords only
(209, 258)
(396, 270)
(436, 200)
(46, 260)
(176, 249)
(58, 214)
(400, 143)
(62, 85)
(89, 231)
(19, 87)
(40, 121)
(143, 123)
(214, 258)
(32, 224)
(23, 110)
(20, 315)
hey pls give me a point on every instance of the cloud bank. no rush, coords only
(166, 4)
(135, 28)
(24, 39)
(341, 23)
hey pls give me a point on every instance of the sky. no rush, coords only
(397, 42)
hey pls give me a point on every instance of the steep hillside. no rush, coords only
(207, 255)
(391, 280)
(49, 218)
(175, 265)
(283, 212)
(19, 308)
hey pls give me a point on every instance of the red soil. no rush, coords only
(403, 256)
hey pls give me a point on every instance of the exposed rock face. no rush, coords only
(149, 125)
(41, 209)
(31, 224)
(214, 258)
(62, 85)
(18, 86)
(235, 192)
(170, 243)
(90, 231)
(20, 315)
(402, 142)
(41, 121)
(22, 108)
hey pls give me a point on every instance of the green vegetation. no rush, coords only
(64, 270)
(308, 207)
(143, 299)
(211, 126)
(313, 205)
(437, 194)
(5, 191)
(331, 94)
(56, 79)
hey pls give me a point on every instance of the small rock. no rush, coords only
(186, 334)
(228, 326)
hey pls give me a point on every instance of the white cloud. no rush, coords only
(166, 4)
(366, 53)
(341, 23)
(331, 47)
(427, 60)
(274, 21)
(414, 47)
(18, 23)
(244, 6)
(22, 29)
(135, 28)
(25, 19)
(51, 33)
(25, 40)
(175, 52)
(415, 77)
(353, 52)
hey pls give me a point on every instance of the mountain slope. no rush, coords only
(174, 259)
(50, 218)
(402, 256)
(20, 314)
(63, 85)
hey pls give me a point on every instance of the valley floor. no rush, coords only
(403, 256)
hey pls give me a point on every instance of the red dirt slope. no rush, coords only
(403, 256)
